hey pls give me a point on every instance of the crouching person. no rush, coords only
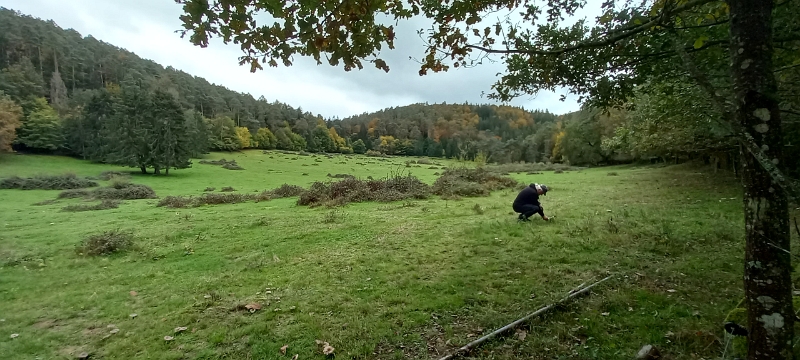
(527, 202)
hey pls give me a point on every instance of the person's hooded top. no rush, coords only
(530, 195)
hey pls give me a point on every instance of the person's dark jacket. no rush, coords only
(528, 196)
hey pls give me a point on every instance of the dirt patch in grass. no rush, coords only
(47, 182)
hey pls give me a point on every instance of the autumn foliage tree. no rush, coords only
(10, 115)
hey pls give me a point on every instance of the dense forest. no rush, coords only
(65, 93)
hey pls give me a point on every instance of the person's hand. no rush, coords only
(545, 218)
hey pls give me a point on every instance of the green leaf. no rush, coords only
(700, 41)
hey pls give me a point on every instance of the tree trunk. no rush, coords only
(767, 268)
(144, 169)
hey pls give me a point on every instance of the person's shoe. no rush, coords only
(523, 219)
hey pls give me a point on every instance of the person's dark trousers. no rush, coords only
(528, 210)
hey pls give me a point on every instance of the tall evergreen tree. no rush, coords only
(170, 144)
(133, 127)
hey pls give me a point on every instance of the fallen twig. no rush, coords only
(573, 293)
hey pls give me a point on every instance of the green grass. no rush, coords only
(377, 281)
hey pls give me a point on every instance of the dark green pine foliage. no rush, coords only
(86, 134)
(133, 128)
(170, 145)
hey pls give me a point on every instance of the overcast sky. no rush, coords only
(147, 28)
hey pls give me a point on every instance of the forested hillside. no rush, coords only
(68, 93)
(77, 95)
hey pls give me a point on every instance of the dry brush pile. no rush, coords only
(453, 183)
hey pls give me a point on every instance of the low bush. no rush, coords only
(227, 164)
(210, 189)
(374, 153)
(529, 167)
(349, 190)
(103, 205)
(232, 167)
(228, 189)
(108, 175)
(107, 243)
(119, 190)
(216, 199)
(471, 182)
(47, 182)
(287, 190)
(340, 176)
(74, 194)
(175, 202)
(124, 192)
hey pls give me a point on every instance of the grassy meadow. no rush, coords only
(409, 279)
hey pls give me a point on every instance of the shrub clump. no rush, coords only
(471, 182)
(74, 194)
(108, 175)
(124, 191)
(350, 190)
(107, 243)
(103, 205)
(287, 190)
(209, 189)
(205, 199)
(175, 202)
(228, 189)
(216, 199)
(227, 164)
(373, 153)
(340, 176)
(529, 167)
(47, 182)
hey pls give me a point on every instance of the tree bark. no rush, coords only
(144, 169)
(767, 268)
